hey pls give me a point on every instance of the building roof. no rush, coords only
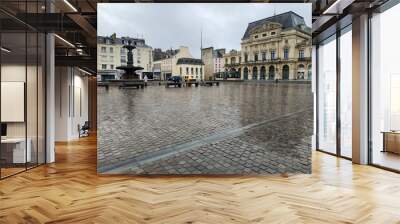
(232, 52)
(287, 20)
(219, 53)
(159, 55)
(121, 40)
(191, 61)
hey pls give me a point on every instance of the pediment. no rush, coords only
(265, 27)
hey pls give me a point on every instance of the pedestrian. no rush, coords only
(276, 80)
(145, 80)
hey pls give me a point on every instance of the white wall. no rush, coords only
(34, 125)
(71, 102)
(16, 73)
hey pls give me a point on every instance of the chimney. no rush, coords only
(114, 36)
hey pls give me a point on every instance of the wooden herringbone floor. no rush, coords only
(70, 191)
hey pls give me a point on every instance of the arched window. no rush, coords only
(300, 71)
(262, 73)
(245, 73)
(271, 72)
(285, 72)
(255, 71)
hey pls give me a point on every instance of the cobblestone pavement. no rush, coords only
(206, 130)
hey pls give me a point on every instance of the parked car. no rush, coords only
(175, 79)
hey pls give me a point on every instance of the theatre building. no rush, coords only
(277, 47)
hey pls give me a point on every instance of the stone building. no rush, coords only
(213, 62)
(219, 65)
(179, 62)
(190, 68)
(159, 54)
(111, 54)
(277, 47)
(232, 69)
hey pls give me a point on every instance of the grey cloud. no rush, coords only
(172, 25)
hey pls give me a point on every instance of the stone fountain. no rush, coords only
(129, 68)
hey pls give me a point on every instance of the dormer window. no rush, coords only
(256, 36)
(264, 34)
(272, 33)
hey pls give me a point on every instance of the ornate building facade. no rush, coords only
(111, 54)
(277, 47)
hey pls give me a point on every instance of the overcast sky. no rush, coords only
(168, 26)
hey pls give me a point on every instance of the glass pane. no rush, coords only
(31, 99)
(346, 93)
(385, 89)
(327, 95)
(41, 99)
(13, 87)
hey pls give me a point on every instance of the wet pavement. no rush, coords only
(236, 128)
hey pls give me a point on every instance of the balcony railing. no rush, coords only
(226, 75)
(268, 61)
(262, 61)
(304, 59)
(232, 64)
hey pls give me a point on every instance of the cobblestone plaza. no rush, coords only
(236, 128)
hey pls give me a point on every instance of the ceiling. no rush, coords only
(328, 13)
(75, 21)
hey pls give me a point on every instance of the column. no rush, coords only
(50, 98)
(360, 90)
